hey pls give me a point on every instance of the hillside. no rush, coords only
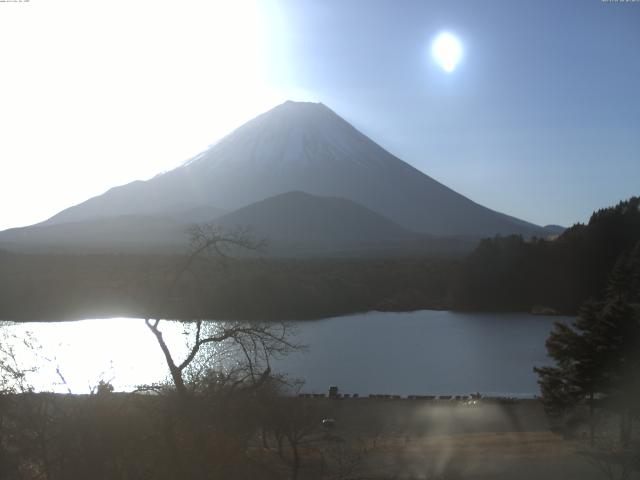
(298, 224)
(510, 273)
(294, 224)
(123, 234)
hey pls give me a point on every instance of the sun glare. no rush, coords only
(127, 75)
(446, 50)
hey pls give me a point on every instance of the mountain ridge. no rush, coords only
(294, 224)
(305, 147)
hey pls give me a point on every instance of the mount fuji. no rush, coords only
(295, 147)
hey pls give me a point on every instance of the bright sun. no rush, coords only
(446, 50)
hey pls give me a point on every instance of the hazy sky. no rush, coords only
(541, 118)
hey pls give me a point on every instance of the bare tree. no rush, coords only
(252, 344)
(14, 374)
(299, 423)
(222, 357)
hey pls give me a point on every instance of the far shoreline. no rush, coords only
(88, 316)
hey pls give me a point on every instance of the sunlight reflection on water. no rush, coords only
(119, 350)
(425, 352)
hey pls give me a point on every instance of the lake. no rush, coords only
(425, 352)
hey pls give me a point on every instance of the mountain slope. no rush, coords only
(300, 224)
(299, 217)
(124, 233)
(295, 224)
(304, 147)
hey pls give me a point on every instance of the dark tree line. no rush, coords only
(88, 286)
(511, 273)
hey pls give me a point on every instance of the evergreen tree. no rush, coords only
(598, 357)
(579, 374)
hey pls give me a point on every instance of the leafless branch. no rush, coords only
(255, 342)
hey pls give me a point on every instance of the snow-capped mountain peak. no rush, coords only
(300, 146)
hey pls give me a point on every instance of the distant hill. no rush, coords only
(554, 230)
(297, 223)
(305, 218)
(303, 147)
(188, 214)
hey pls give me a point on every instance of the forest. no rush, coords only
(548, 275)
(47, 287)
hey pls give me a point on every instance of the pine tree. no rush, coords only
(580, 371)
(598, 356)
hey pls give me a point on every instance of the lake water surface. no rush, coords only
(423, 352)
